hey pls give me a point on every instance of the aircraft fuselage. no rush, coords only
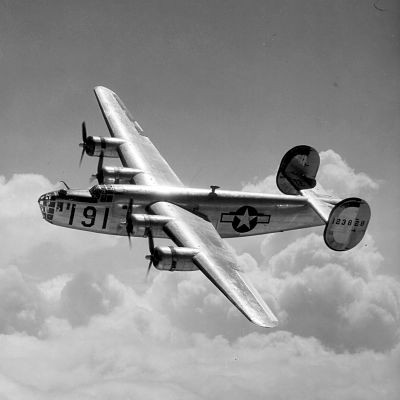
(103, 209)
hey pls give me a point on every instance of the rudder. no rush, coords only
(298, 169)
(347, 224)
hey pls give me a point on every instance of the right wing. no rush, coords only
(215, 260)
(137, 152)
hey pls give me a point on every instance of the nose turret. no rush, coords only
(47, 204)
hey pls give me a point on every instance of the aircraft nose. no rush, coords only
(47, 206)
(41, 205)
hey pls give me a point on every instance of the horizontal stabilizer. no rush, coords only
(347, 224)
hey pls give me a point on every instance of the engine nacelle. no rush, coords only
(169, 258)
(141, 223)
(96, 145)
(119, 175)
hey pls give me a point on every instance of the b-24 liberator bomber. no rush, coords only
(145, 198)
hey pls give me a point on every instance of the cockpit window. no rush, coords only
(47, 205)
(103, 193)
(106, 198)
(77, 195)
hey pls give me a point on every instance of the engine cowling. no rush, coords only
(119, 175)
(169, 258)
(141, 223)
(96, 145)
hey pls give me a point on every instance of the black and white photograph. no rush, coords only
(199, 199)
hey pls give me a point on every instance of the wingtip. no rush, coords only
(260, 313)
(268, 324)
(268, 320)
(102, 89)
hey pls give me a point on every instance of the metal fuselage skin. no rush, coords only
(103, 209)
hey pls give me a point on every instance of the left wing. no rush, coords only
(215, 260)
(137, 152)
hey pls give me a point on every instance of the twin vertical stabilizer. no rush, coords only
(346, 220)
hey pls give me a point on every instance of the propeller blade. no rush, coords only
(84, 133)
(149, 267)
(100, 164)
(130, 240)
(83, 153)
(100, 175)
(129, 225)
(151, 241)
(83, 144)
(130, 206)
(151, 248)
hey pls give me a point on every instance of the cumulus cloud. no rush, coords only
(343, 300)
(266, 185)
(340, 178)
(136, 350)
(25, 236)
(21, 305)
(82, 297)
(88, 332)
(25, 305)
(19, 214)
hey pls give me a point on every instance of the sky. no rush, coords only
(223, 89)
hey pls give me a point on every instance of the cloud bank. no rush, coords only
(71, 331)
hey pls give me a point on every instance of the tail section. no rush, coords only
(346, 220)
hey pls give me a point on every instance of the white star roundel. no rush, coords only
(245, 219)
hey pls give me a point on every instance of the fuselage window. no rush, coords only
(60, 206)
(106, 198)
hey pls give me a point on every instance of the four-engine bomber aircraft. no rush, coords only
(145, 198)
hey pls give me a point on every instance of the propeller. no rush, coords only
(84, 144)
(151, 256)
(100, 175)
(129, 223)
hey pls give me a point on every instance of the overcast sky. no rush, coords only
(223, 89)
